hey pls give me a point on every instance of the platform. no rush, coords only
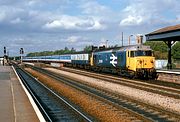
(169, 71)
(169, 75)
(14, 103)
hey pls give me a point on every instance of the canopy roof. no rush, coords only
(171, 33)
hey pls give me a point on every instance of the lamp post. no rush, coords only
(122, 39)
(106, 43)
(129, 42)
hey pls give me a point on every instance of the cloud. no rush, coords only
(74, 39)
(37, 15)
(78, 42)
(16, 21)
(98, 10)
(43, 24)
(2, 16)
(93, 7)
(131, 20)
(140, 12)
(75, 23)
(7, 13)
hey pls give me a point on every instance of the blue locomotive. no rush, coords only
(132, 61)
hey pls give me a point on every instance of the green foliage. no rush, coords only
(161, 49)
(88, 48)
(73, 50)
(157, 46)
(47, 53)
(176, 51)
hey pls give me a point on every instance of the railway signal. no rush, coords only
(4, 50)
(21, 53)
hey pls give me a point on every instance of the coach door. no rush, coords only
(129, 60)
(131, 63)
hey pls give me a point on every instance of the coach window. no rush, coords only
(106, 57)
(128, 53)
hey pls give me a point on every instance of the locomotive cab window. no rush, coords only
(132, 54)
(144, 53)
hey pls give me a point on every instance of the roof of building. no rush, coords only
(170, 33)
(166, 29)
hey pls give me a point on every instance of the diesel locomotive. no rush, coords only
(131, 61)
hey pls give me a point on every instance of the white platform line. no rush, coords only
(36, 109)
(14, 105)
(168, 72)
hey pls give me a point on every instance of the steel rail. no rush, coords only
(59, 97)
(134, 104)
(46, 116)
(165, 91)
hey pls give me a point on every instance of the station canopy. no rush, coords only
(169, 35)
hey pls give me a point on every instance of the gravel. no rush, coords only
(101, 111)
(164, 102)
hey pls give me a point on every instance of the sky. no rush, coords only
(48, 25)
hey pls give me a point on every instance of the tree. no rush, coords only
(66, 50)
(159, 47)
(88, 48)
(73, 50)
(176, 51)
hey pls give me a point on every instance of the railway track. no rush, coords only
(154, 88)
(143, 111)
(53, 106)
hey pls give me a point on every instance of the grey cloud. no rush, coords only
(53, 24)
(139, 12)
(78, 23)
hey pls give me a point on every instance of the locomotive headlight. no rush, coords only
(152, 61)
(140, 61)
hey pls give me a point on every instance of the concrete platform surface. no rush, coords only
(14, 104)
(170, 71)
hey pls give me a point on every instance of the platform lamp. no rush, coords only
(129, 39)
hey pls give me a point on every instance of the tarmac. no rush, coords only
(14, 103)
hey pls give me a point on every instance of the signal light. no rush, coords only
(21, 51)
(4, 50)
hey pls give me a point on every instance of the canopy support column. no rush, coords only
(169, 66)
(169, 44)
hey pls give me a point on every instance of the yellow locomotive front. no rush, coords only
(141, 62)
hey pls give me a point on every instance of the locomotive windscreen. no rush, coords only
(141, 53)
